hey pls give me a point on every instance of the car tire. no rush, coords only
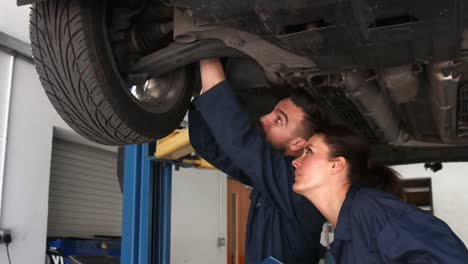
(78, 71)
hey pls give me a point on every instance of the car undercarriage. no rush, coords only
(395, 70)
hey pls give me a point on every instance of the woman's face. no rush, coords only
(313, 167)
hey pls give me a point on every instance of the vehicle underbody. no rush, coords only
(395, 70)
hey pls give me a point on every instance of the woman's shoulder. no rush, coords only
(402, 231)
(371, 210)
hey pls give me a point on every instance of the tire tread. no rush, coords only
(63, 62)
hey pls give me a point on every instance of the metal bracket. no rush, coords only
(15, 46)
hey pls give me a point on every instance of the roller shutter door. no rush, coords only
(84, 194)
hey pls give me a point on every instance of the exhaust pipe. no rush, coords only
(443, 89)
(366, 95)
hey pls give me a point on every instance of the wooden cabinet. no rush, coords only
(418, 192)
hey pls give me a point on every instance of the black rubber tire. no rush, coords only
(77, 70)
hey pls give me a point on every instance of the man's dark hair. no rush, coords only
(314, 117)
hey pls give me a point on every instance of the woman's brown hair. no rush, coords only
(354, 147)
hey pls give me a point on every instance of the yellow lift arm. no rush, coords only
(177, 145)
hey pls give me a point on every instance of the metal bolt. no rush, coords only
(221, 241)
(297, 74)
(236, 42)
(274, 67)
(446, 72)
(406, 137)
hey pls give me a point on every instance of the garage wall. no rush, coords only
(198, 216)
(27, 168)
(449, 193)
(14, 20)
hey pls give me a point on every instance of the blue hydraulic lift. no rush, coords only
(146, 207)
(146, 223)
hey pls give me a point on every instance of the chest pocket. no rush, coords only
(372, 245)
(373, 251)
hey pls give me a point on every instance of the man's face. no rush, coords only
(282, 124)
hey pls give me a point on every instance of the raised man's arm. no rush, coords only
(212, 73)
(270, 171)
(205, 145)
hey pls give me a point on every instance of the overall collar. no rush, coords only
(343, 225)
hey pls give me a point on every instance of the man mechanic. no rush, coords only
(281, 223)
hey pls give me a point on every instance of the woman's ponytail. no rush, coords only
(354, 147)
(384, 178)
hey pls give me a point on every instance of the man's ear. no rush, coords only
(297, 144)
(338, 164)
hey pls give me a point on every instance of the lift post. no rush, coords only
(146, 223)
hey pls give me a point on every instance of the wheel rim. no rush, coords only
(159, 94)
(154, 94)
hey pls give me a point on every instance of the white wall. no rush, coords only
(198, 216)
(449, 193)
(27, 166)
(14, 20)
(31, 126)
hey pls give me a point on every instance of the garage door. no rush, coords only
(84, 194)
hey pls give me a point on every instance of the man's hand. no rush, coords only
(212, 73)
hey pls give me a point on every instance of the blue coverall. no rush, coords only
(376, 227)
(281, 223)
